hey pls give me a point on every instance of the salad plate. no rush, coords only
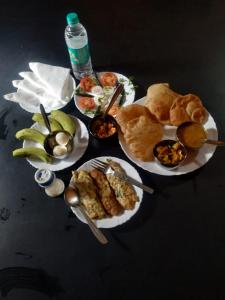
(98, 94)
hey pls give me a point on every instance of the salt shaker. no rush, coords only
(47, 179)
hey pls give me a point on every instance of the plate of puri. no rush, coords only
(156, 117)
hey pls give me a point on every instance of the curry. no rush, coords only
(192, 135)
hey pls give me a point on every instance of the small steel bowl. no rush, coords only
(97, 121)
(50, 143)
(169, 143)
(198, 143)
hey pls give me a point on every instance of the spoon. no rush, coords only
(45, 117)
(117, 92)
(97, 78)
(194, 136)
(71, 197)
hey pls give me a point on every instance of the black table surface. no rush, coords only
(174, 247)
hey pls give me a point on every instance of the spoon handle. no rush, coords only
(45, 117)
(97, 232)
(218, 143)
(97, 78)
(118, 91)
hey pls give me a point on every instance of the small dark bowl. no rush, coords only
(169, 143)
(95, 123)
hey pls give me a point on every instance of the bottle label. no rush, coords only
(79, 56)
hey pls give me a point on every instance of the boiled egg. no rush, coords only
(59, 150)
(62, 138)
(97, 90)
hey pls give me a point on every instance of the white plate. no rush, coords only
(127, 214)
(128, 88)
(197, 160)
(80, 143)
(48, 109)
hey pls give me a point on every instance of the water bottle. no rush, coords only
(77, 43)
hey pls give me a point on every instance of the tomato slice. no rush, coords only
(86, 103)
(86, 84)
(108, 79)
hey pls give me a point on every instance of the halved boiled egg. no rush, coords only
(59, 150)
(97, 90)
(62, 138)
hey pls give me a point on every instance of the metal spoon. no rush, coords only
(71, 197)
(45, 117)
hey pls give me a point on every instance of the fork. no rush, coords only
(107, 169)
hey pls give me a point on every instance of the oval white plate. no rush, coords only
(48, 109)
(128, 87)
(127, 214)
(197, 160)
(80, 143)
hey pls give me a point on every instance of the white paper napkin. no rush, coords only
(33, 79)
(49, 85)
(38, 92)
(55, 78)
(23, 97)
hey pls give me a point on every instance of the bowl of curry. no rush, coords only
(103, 127)
(169, 154)
(192, 135)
